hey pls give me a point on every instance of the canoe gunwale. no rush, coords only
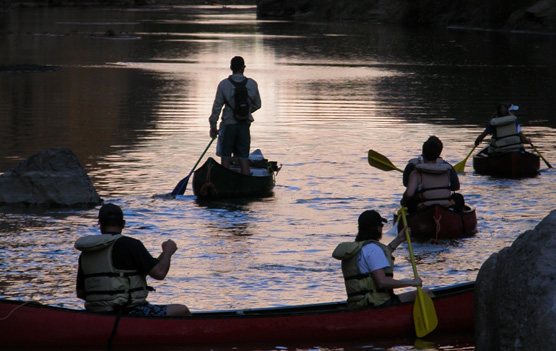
(318, 308)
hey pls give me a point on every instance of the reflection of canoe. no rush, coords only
(507, 165)
(212, 181)
(34, 325)
(440, 222)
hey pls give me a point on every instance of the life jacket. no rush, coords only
(108, 289)
(505, 137)
(434, 183)
(360, 287)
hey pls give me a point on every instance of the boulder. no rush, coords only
(515, 299)
(53, 177)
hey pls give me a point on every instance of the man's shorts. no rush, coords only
(236, 139)
(147, 309)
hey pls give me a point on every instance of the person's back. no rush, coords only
(240, 97)
(429, 179)
(368, 265)
(108, 288)
(112, 270)
(433, 182)
(505, 134)
(361, 289)
(505, 130)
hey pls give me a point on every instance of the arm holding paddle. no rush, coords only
(524, 139)
(410, 197)
(386, 282)
(480, 138)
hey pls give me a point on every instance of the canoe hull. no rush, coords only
(507, 165)
(213, 181)
(441, 223)
(37, 325)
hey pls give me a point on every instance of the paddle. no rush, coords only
(381, 162)
(460, 167)
(180, 187)
(538, 152)
(424, 314)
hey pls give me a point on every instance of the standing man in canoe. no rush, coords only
(505, 130)
(112, 271)
(240, 97)
(430, 180)
(368, 265)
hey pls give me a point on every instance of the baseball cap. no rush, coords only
(370, 219)
(110, 212)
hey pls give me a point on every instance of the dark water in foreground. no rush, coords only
(134, 109)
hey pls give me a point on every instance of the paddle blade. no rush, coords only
(424, 314)
(180, 187)
(381, 162)
(460, 167)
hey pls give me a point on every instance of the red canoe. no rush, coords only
(31, 324)
(441, 223)
(507, 165)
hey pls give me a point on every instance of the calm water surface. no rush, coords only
(134, 108)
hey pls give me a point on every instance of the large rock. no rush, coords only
(53, 177)
(515, 295)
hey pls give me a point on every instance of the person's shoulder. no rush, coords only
(251, 81)
(373, 250)
(440, 160)
(225, 81)
(414, 161)
(372, 246)
(129, 241)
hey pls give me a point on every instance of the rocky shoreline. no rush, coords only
(531, 15)
(534, 15)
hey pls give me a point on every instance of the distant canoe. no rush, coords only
(32, 325)
(213, 181)
(441, 223)
(507, 165)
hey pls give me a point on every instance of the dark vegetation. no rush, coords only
(503, 14)
(537, 15)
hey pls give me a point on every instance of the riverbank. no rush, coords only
(512, 15)
(531, 15)
(7, 4)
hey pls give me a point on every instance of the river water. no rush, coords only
(134, 108)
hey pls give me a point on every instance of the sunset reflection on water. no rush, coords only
(136, 112)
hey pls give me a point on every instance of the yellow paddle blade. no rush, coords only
(460, 167)
(381, 162)
(424, 314)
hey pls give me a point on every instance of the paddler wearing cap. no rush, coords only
(112, 270)
(368, 265)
